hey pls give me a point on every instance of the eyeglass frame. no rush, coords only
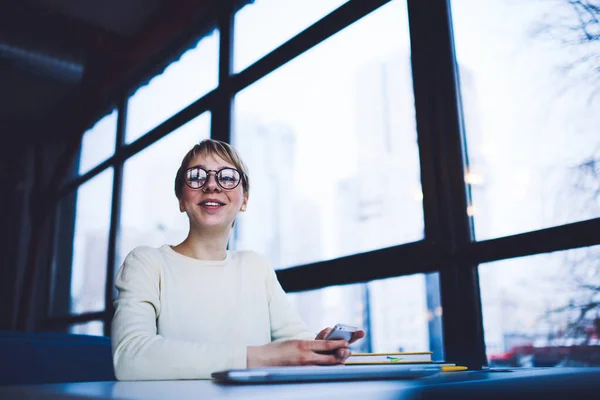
(241, 174)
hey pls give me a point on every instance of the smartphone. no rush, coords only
(341, 332)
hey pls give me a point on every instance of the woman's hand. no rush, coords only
(298, 352)
(359, 334)
(342, 353)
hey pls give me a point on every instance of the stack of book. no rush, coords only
(402, 359)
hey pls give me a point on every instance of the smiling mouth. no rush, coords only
(211, 204)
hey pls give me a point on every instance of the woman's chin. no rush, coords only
(213, 224)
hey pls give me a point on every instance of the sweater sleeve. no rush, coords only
(139, 353)
(286, 323)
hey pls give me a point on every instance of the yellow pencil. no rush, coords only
(453, 368)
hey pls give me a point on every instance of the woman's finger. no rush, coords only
(323, 334)
(357, 335)
(326, 359)
(326, 346)
(343, 354)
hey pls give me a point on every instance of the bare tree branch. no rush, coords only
(584, 9)
(575, 25)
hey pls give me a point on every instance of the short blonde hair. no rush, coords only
(212, 147)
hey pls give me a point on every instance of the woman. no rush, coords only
(186, 311)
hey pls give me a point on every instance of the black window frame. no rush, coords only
(448, 246)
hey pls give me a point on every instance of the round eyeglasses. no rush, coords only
(227, 178)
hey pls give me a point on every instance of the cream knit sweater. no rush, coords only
(181, 318)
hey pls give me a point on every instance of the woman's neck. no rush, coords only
(204, 246)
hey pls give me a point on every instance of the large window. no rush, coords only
(330, 141)
(182, 82)
(263, 26)
(529, 83)
(150, 213)
(543, 310)
(348, 165)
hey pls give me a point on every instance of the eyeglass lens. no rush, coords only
(227, 178)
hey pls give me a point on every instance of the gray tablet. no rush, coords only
(325, 373)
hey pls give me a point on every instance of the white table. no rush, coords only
(554, 383)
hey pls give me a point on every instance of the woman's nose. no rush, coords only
(211, 183)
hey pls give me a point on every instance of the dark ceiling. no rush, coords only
(55, 54)
(124, 17)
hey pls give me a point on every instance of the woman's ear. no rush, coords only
(244, 203)
(181, 207)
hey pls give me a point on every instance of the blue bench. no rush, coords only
(37, 357)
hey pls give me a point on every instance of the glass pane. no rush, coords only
(531, 95)
(182, 82)
(90, 247)
(330, 141)
(266, 24)
(406, 314)
(326, 307)
(150, 212)
(543, 310)
(95, 328)
(398, 314)
(98, 143)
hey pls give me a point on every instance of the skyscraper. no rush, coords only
(277, 215)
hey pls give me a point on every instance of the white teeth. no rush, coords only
(210, 203)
